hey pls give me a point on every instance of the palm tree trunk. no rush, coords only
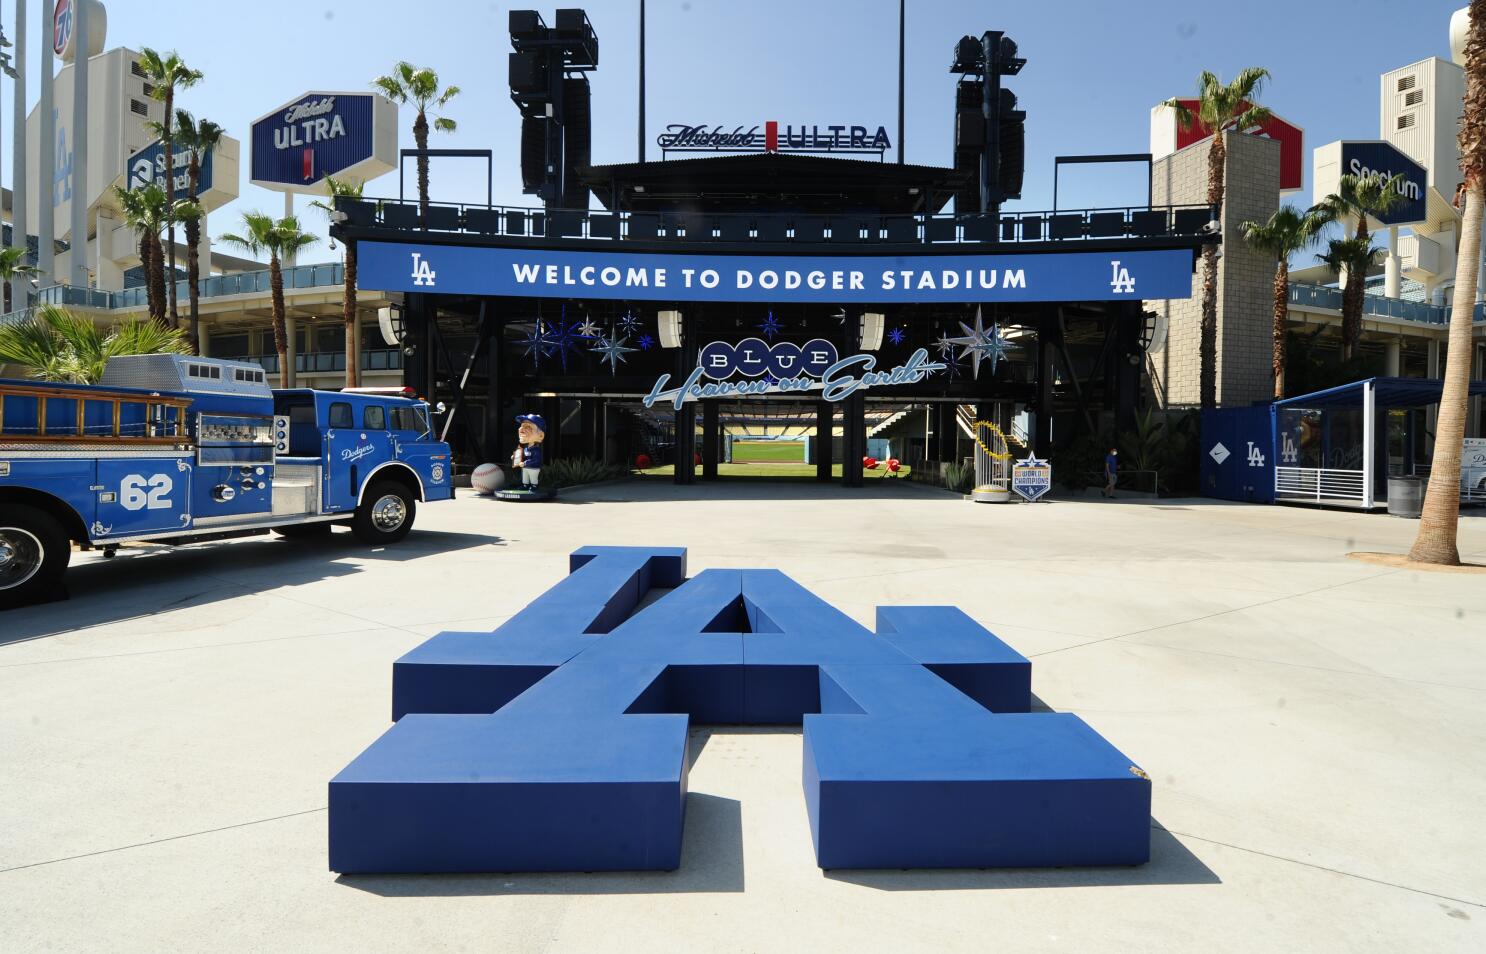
(165, 148)
(1439, 521)
(1207, 345)
(420, 138)
(146, 260)
(280, 332)
(193, 274)
(1281, 312)
(353, 353)
(157, 278)
(1353, 300)
(193, 262)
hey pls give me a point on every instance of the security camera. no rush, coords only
(1212, 227)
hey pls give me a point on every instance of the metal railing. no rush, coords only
(324, 275)
(326, 362)
(1319, 484)
(1330, 298)
(1130, 223)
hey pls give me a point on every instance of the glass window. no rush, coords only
(231, 346)
(330, 338)
(408, 419)
(340, 415)
(374, 418)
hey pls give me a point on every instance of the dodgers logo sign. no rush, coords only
(558, 742)
(833, 279)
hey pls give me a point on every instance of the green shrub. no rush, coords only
(959, 478)
(571, 471)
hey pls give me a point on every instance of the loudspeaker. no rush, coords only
(668, 328)
(872, 325)
(527, 73)
(533, 153)
(577, 138)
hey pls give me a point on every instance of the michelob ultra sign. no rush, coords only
(351, 136)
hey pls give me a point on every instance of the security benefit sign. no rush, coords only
(148, 166)
(835, 279)
(352, 136)
(753, 367)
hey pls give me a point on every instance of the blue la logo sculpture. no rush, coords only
(559, 741)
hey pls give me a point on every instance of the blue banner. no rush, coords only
(839, 279)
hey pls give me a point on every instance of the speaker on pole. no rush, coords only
(872, 326)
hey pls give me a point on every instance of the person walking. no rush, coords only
(1111, 471)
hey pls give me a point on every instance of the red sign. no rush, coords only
(1290, 137)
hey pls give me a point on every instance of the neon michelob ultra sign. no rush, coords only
(785, 368)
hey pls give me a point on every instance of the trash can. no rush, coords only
(1405, 496)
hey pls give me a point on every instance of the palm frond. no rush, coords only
(444, 124)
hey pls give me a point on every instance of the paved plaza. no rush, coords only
(1313, 726)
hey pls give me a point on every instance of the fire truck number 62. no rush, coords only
(140, 493)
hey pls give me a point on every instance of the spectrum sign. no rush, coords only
(351, 136)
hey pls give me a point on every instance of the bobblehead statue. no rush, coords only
(530, 433)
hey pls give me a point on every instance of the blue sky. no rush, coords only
(1094, 70)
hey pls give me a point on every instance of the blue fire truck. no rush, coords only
(179, 449)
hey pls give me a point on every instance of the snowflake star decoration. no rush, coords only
(613, 351)
(978, 343)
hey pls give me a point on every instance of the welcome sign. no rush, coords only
(833, 279)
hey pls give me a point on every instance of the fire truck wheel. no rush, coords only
(304, 531)
(34, 552)
(386, 513)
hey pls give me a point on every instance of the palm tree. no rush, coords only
(1221, 108)
(336, 189)
(12, 266)
(1359, 197)
(1351, 256)
(1288, 231)
(419, 85)
(1436, 541)
(277, 238)
(55, 344)
(200, 137)
(168, 73)
(144, 211)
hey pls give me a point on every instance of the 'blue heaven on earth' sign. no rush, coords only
(845, 279)
(558, 742)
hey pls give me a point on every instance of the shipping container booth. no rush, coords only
(1340, 446)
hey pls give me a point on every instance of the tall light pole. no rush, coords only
(46, 172)
(19, 228)
(78, 256)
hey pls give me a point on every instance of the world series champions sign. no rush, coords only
(558, 742)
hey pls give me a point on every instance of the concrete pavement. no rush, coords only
(1313, 727)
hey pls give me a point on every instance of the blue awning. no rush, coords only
(1390, 392)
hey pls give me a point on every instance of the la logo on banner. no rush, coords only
(423, 273)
